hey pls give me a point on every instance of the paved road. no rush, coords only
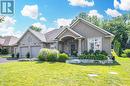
(4, 60)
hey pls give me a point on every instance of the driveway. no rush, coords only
(4, 60)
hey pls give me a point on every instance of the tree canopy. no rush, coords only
(35, 28)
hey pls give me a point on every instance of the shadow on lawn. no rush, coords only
(115, 63)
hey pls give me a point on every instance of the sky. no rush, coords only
(51, 14)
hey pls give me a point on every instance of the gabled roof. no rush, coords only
(37, 34)
(67, 28)
(8, 40)
(91, 25)
(51, 35)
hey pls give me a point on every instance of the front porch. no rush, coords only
(70, 45)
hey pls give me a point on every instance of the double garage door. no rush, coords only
(34, 50)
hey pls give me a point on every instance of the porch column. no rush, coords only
(57, 45)
(79, 46)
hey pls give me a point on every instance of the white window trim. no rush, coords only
(88, 39)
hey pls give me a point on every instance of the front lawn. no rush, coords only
(5, 56)
(62, 74)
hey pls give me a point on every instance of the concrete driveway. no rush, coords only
(4, 60)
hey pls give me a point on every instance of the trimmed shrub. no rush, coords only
(128, 54)
(123, 55)
(101, 57)
(74, 53)
(93, 56)
(12, 55)
(63, 57)
(4, 51)
(104, 53)
(97, 52)
(82, 56)
(28, 55)
(53, 55)
(85, 52)
(117, 48)
(17, 55)
(48, 54)
(91, 51)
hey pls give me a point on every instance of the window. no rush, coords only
(95, 43)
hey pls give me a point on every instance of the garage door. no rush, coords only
(23, 51)
(35, 50)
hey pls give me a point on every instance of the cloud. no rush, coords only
(113, 13)
(30, 11)
(7, 29)
(95, 13)
(81, 3)
(43, 19)
(123, 5)
(63, 22)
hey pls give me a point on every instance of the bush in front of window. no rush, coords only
(63, 57)
(97, 55)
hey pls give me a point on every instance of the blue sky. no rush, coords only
(50, 14)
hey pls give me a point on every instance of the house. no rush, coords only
(81, 35)
(8, 42)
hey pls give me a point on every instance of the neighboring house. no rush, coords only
(8, 42)
(81, 35)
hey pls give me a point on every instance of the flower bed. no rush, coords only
(89, 61)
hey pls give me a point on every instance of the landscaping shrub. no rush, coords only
(82, 56)
(101, 57)
(117, 48)
(28, 55)
(74, 53)
(85, 52)
(104, 53)
(97, 52)
(123, 55)
(93, 56)
(63, 57)
(53, 55)
(12, 55)
(91, 51)
(128, 54)
(48, 54)
(4, 51)
(17, 55)
(43, 54)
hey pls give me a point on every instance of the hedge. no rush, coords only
(117, 48)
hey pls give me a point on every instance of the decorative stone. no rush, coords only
(113, 73)
(92, 75)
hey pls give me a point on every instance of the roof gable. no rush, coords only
(38, 35)
(91, 25)
(69, 31)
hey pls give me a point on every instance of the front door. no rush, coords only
(72, 49)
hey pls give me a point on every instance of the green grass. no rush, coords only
(5, 56)
(62, 74)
